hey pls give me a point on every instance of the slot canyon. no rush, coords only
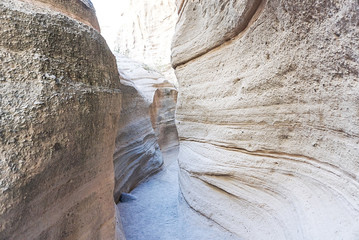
(179, 119)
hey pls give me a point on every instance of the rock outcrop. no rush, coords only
(59, 112)
(81, 10)
(137, 153)
(268, 116)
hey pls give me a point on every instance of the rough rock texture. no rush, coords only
(137, 153)
(269, 120)
(145, 32)
(206, 29)
(60, 104)
(81, 10)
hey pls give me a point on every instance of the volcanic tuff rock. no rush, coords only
(179, 5)
(268, 116)
(137, 153)
(60, 104)
(204, 33)
(145, 32)
(81, 10)
(162, 113)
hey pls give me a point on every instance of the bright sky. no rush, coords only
(107, 12)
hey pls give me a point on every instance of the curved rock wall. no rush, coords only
(60, 104)
(268, 116)
(81, 10)
(138, 153)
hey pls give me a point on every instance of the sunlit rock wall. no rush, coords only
(138, 153)
(162, 113)
(268, 116)
(81, 10)
(60, 104)
(145, 32)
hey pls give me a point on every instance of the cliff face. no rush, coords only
(138, 152)
(145, 31)
(268, 116)
(60, 104)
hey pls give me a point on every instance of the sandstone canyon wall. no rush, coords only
(268, 115)
(145, 31)
(162, 113)
(60, 106)
(81, 10)
(61, 133)
(138, 152)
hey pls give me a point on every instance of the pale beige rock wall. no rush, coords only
(268, 119)
(60, 104)
(144, 33)
(179, 5)
(138, 153)
(201, 28)
(162, 113)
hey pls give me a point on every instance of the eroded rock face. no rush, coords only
(203, 26)
(179, 5)
(162, 113)
(60, 104)
(138, 153)
(145, 32)
(269, 120)
(81, 10)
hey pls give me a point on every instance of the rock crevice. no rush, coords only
(147, 133)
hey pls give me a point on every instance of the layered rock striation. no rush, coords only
(268, 116)
(59, 112)
(144, 33)
(146, 128)
(162, 113)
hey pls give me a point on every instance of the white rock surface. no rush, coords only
(159, 212)
(137, 152)
(268, 120)
(144, 33)
(162, 112)
(204, 25)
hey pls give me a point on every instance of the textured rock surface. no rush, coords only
(201, 27)
(269, 120)
(60, 103)
(81, 10)
(162, 113)
(137, 153)
(179, 5)
(145, 30)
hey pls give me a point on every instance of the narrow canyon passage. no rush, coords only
(160, 212)
(178, 119)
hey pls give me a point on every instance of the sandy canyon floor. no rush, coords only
(159, 212)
